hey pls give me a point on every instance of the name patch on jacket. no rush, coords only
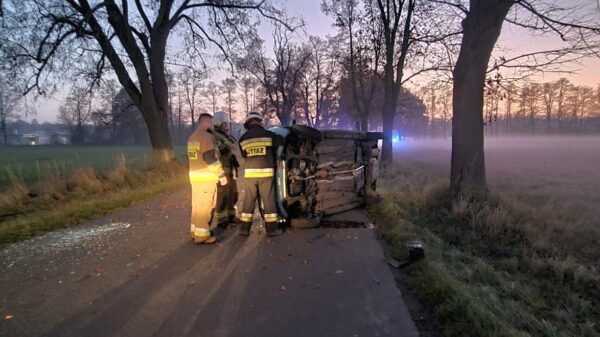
(256, 146)
(256, 151)
(193, 148)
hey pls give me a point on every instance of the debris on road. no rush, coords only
(393, 262)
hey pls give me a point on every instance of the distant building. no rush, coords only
(45, 138)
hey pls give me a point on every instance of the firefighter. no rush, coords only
(257, 147)
(205, 171)
(227, 195)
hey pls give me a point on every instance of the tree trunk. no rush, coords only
(284, 118)
(4, 133)
(158, 130)
(389, 104)
(156, 105)
(364, 123)
(481, 27)
(388, 131)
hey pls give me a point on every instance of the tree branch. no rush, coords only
(142, 13)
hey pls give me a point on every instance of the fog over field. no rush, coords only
(557, 177)
(568, 165)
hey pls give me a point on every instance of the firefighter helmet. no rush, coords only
(221, 117)
(254, 115)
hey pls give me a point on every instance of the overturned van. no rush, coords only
(325, 172)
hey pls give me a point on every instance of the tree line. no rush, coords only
(520, 108)
(380, 46)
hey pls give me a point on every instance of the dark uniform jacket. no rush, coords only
(258, 146)
(226, 145)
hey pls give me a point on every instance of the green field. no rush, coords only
(32, 163)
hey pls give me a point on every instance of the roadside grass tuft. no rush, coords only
(56, 201)
(493, 266)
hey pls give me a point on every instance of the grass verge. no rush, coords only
(56, 202)
(490, 268)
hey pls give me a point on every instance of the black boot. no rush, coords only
(245, 229)
(218, 232)
(275, 232)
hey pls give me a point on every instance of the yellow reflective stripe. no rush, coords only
(259, 173)
(199, 176)
(215, 167)
(255, 140)
(272, 217)
(257, 144)
(221, 215)
(201, 232)
(246, 217)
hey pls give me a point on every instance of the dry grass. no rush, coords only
(522, 262)
(55, 201)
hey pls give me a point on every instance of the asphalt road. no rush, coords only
(137, 273)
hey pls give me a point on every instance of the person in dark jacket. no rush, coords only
(227, 195)
(258, 146)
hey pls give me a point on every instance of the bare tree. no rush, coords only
(396, 19)
(228, 87)
(510, 92)
(248, 88)
(11, 105)
(318, 83)
(83, 38)
(363, 39)
(76, 111)
(279, 77)
(562, 87)
(104, 114)
(481, 27)
(549, 90)
(211, 92)
(191, 80)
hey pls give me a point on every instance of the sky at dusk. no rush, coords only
(513, 41)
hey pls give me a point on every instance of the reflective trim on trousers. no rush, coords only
(271, 217)
(215, 167)
(221, 215)
(202, 176)
(246, 217)
(259, 173)
(201, 232)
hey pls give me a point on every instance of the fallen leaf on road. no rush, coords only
(282, 288)
(7, 317)
(339, 271)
